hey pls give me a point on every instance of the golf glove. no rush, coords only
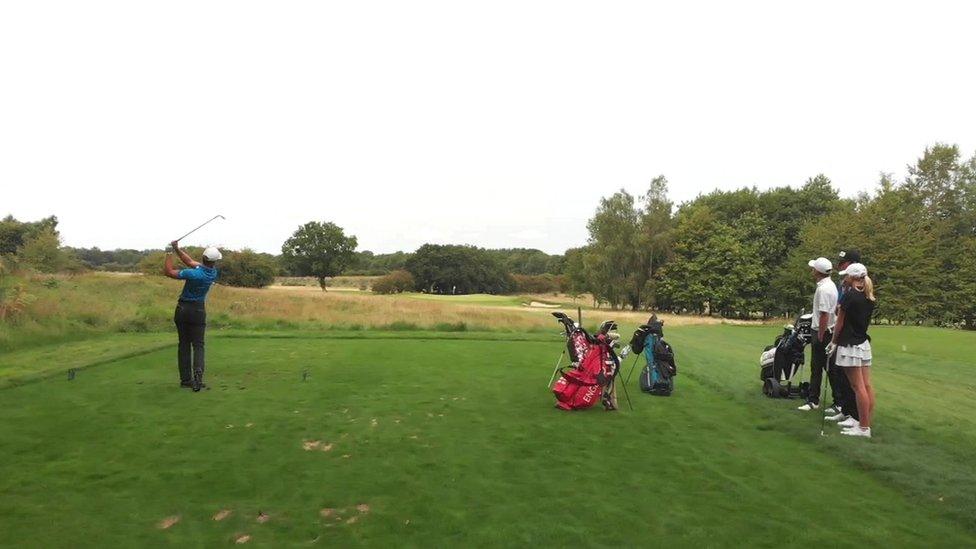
(831, 349)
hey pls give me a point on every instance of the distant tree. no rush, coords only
(715, 269)
(152, 263)
(613, 260)
(574, 270)
(556, 264)
(630, 241)
(369, 264)
(42, 251)
(962, 295)
(523, 261)
(451, 269)
(14, 234)
(318, 249)
(394, 283)
(109, 260)
(247, 269)
(535, 284)
(654, 238)
(934, 179)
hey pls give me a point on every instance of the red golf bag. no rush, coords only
(591, 375)
(578, 388)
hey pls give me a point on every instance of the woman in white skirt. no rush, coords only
(852, 344)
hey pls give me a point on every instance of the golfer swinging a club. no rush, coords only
(191, 312)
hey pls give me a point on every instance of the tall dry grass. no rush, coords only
(75, 307)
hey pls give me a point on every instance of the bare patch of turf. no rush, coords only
(168, 522)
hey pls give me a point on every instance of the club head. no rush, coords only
(559, 315)
(607, 326)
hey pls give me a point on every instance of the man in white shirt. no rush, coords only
(824, 316)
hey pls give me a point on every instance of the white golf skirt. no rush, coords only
(854, 356)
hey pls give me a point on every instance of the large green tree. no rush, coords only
(629, 243)
(321, 250)
(612, 258)
(451, 269)
(716, 267)
(654, 238)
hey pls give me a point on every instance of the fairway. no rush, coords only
(424, 439)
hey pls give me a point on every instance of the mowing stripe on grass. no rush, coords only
(39, 363)
(924, 431)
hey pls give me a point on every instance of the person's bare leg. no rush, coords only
(857, 383)
(869, 391)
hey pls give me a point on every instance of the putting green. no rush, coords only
(428, 440)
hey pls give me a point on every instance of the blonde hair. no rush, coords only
(868, 288)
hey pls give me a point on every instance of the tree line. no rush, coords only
(318, 249)
(738, 253)
(744, 253)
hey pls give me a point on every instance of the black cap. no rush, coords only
(849, 255)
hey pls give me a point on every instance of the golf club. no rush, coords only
(823, 397)
(200, 227)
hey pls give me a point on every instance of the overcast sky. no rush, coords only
(499, 124)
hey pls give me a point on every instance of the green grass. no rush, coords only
(32, 364)
(925, 428)
(452, 441)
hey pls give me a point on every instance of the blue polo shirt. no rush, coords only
(198, 282)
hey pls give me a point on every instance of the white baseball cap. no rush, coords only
(822, 265)
(212, 254)
(855, 270)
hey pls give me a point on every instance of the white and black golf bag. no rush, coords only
(780, 364)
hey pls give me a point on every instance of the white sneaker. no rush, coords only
(840, 416)
(832, 411)
(848, 423)
(808, 406)
(857, 432)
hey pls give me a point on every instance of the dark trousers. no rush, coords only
(818, 365)
(844, 393)
(840, 387)
(191, 325)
